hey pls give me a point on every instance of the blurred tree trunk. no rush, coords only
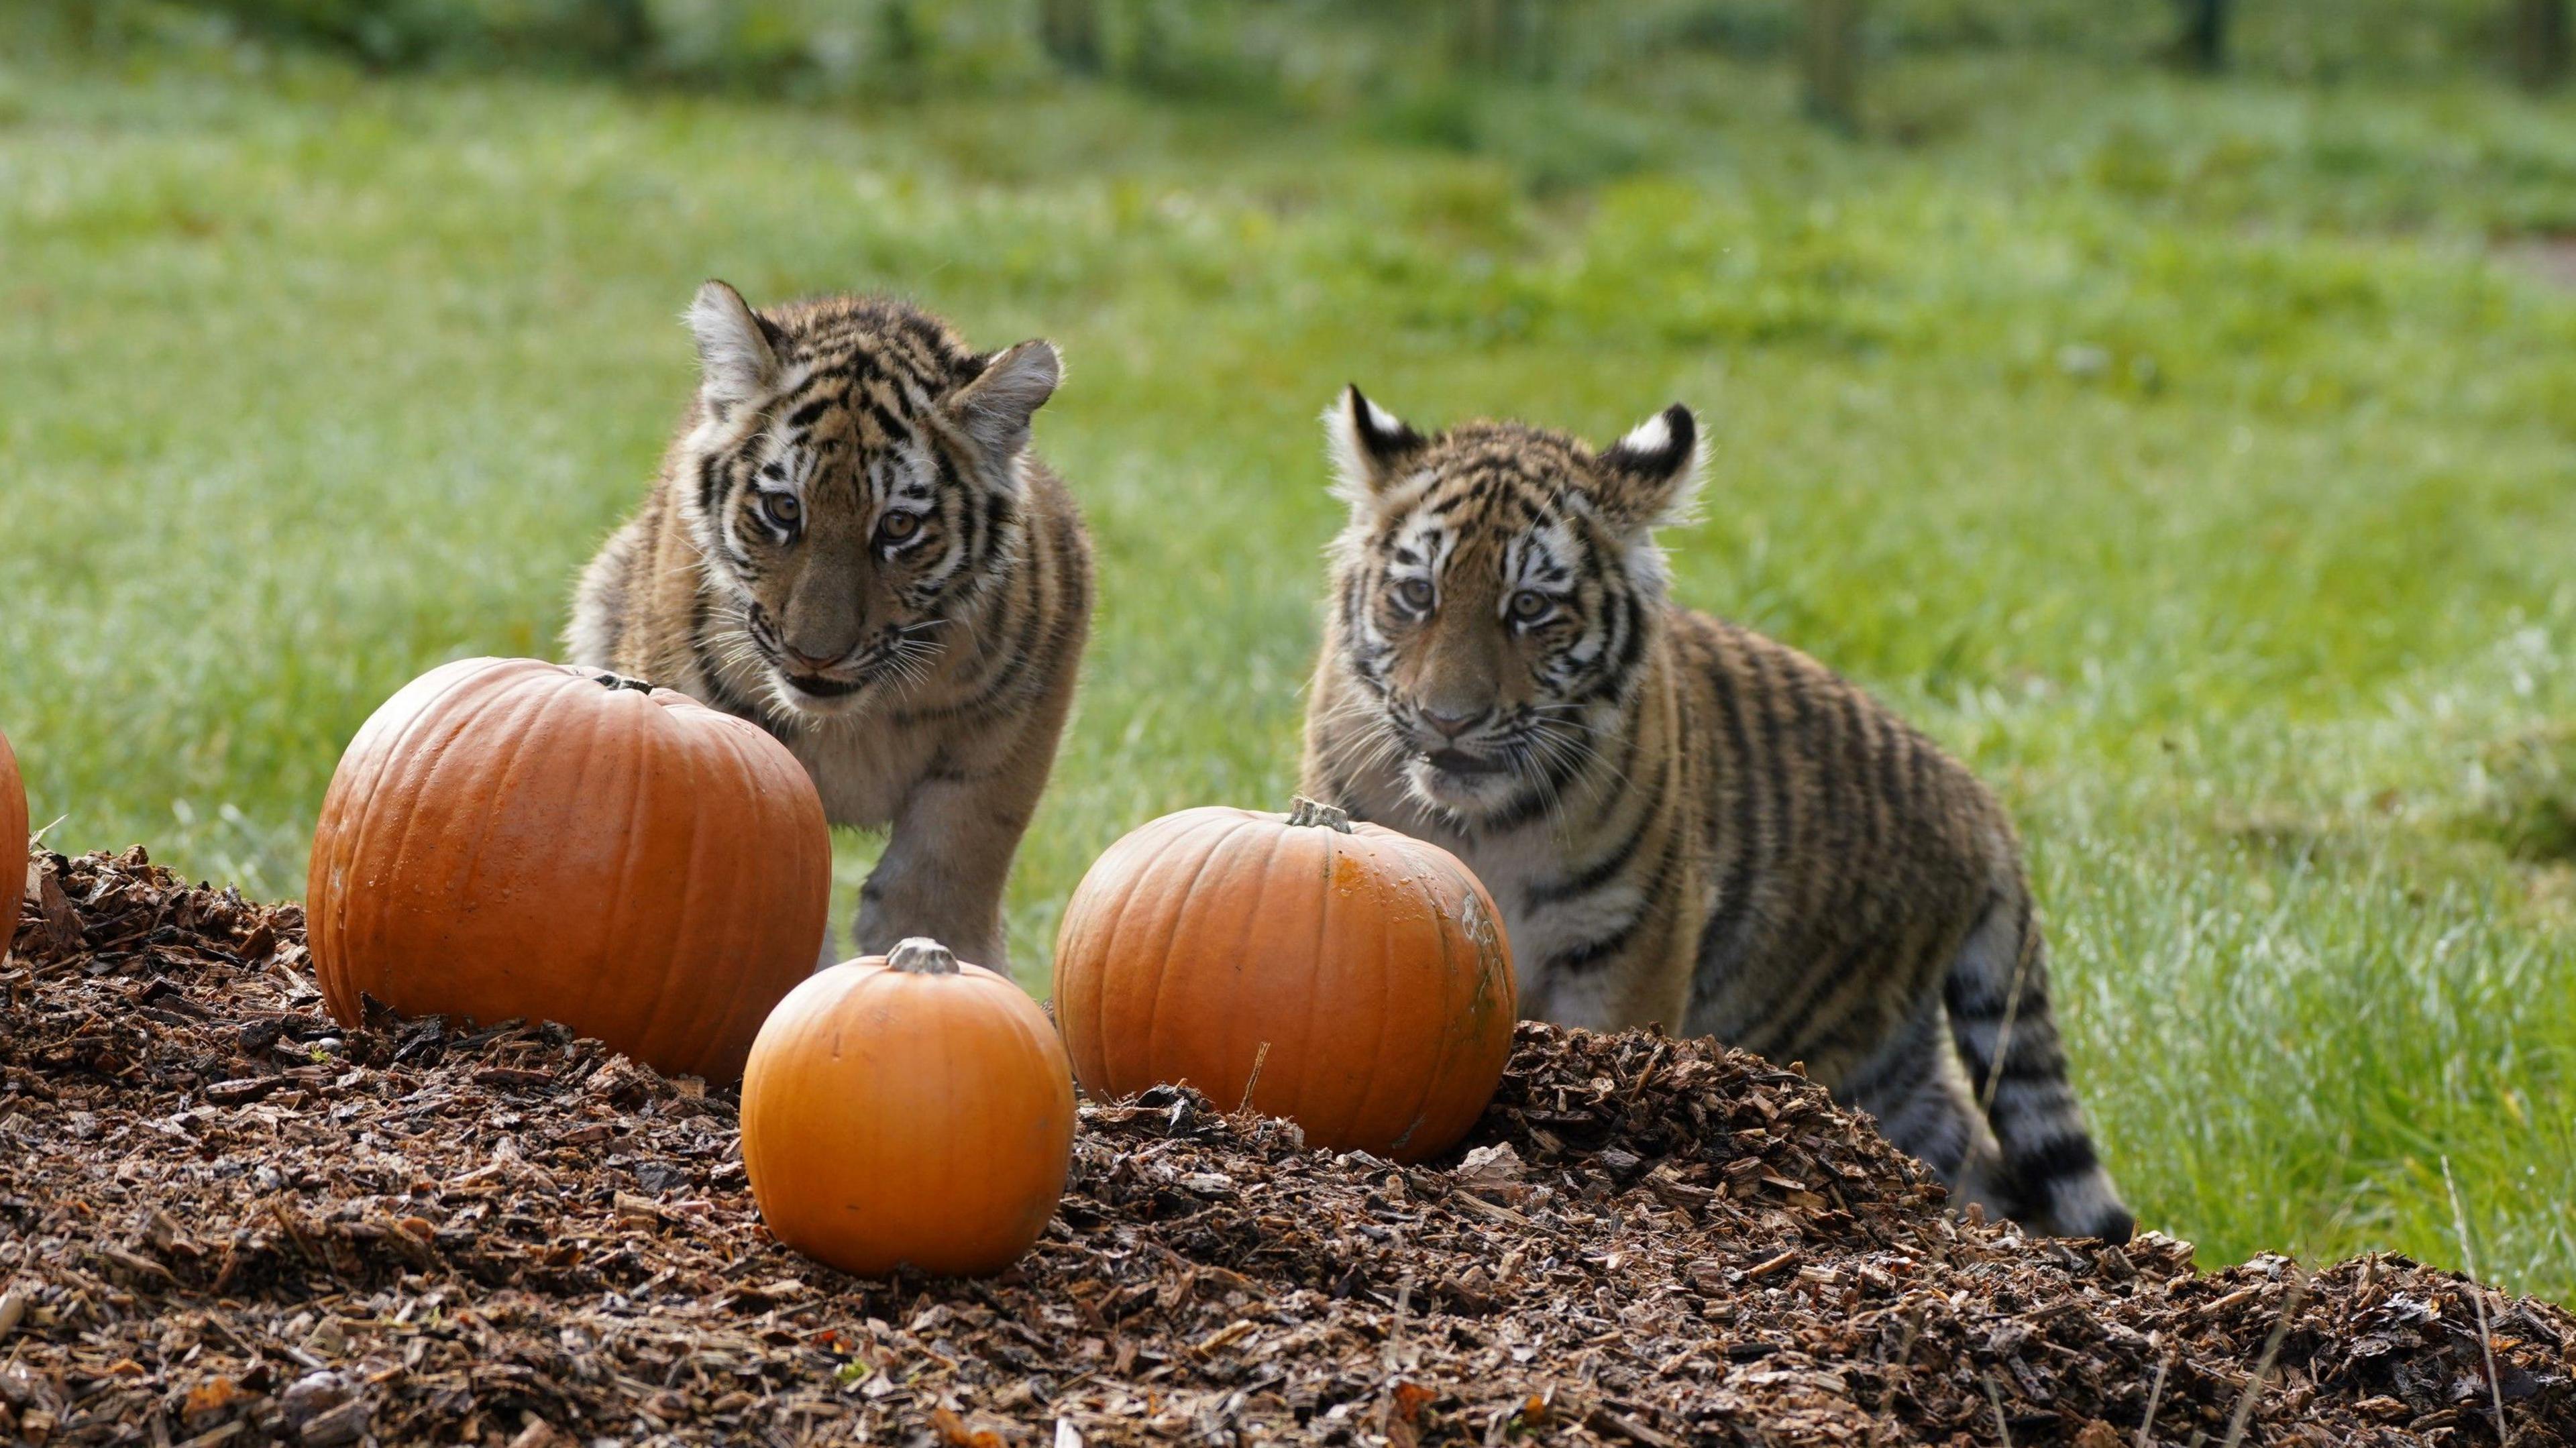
(1477, 37)
(1500, 37)
(2539, 37)
(1525, 39)
(1829, 60)
(1070, 30)
(1480, 32)
(2202, 43)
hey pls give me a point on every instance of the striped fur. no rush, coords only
(1685, 823)
(851, 544)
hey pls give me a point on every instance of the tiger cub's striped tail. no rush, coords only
(1997, 999)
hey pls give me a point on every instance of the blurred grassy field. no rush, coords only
(2194, 458)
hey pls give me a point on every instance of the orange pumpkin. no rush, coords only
(14, 852)
(1363, 974)
(908, 1111)
(513, 838)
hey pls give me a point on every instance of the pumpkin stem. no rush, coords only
(617, 681)
(922, 955)
(1304, 811)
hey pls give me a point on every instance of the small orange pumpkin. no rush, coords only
(507, 837)
(908, 1111)
(14, 850)
(1361, 973)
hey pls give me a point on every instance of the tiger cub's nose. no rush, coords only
(809, 663)
(1454, 725)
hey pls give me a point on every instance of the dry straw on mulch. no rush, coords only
(225, 1219)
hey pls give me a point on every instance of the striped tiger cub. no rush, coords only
(851, 544)
(1684, 822)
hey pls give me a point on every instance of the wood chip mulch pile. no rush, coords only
(226, 1219)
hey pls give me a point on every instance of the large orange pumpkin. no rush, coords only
(1363, 974)
(908, 1111)
(13, 844)
(513, 838)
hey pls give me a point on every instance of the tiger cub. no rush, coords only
(1682, 821)
(852, 545)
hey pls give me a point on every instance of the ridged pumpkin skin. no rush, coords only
(1372, 964)
(14, 853)
(507, 837)
(894, 1117)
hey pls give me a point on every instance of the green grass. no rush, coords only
(2184, 456)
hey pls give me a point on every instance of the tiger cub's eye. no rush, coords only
(782, 509)
(1415, 592)
(1529, 604)
(898, 526)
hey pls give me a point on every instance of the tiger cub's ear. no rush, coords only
(995, 408)
(1369, 443)
(1648, 477)
(736, 362)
